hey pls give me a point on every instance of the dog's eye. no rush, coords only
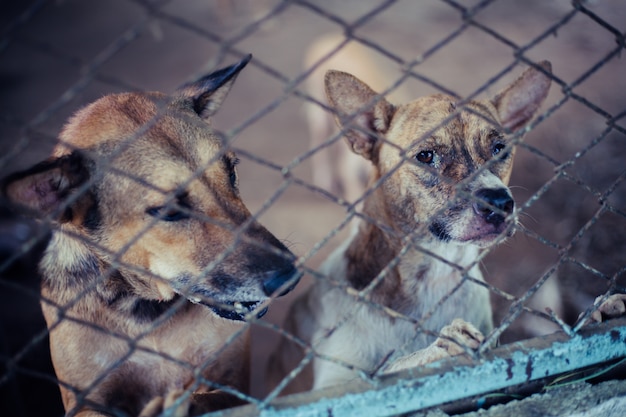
(231, 162)
(167, 214)
(172, 212)
(425, 157)
(498, 148)
(233, 178)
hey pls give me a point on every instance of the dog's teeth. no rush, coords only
(195, 300)
(238, 306)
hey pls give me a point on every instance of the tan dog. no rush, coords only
(335, 168)
(155, 263)
(438, 197)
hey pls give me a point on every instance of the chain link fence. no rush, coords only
(567, 181)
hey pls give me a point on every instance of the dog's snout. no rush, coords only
(499, 199)
(284, 280)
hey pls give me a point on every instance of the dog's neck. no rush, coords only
(87, 273)
(407, 267)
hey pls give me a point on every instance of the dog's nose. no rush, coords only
(498, 198)
(284, 279)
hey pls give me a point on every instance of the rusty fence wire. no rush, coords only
(565, 259)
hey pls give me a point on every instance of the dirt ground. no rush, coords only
(58, 55)
(577, 400)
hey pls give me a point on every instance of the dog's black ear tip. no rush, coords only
(208, 92)
(246, 59)
(235, 68)
(215, 79)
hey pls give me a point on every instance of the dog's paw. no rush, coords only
(153, 408)
(159, 405)
(459, 336)
(180, 409)
(454, 339)
(612, 307)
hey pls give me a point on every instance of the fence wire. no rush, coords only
(564, 261)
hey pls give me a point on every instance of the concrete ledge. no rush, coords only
(538, 360)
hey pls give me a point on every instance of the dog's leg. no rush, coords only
(153, 408)
(200, 402)
(354, 172)
(454, 339)
(320, 128)
(159, 404)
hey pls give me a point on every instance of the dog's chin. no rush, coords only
(488, 235)
(482, 235)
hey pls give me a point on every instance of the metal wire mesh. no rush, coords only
(568, 179)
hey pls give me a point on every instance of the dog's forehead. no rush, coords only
(127, 116)
(133, 183)
(108, 120)
(440, 116)
(161, 123)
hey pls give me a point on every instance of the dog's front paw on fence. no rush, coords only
(612, 307)
(459, 336)
(454, 339)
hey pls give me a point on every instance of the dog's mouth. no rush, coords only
(275, 284)
(233, 310)
(239, 310)
(478, 233)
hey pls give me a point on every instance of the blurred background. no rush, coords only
(58, 55)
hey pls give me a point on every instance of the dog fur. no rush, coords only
(334, 167)
(155, 263)
(438, 197)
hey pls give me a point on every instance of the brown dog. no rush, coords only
(155, 263)
(438, 198)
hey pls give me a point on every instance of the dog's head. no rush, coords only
(144, 182)
(442, 164)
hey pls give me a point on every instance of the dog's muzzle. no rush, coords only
(276, 284)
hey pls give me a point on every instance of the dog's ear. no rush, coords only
(208, 93)
(359, 109)
(518, 103)
(42, 189)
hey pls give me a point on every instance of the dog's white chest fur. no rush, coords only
(362, 334)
